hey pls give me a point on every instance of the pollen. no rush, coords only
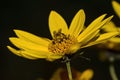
(61, 43)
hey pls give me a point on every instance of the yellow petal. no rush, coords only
(107, 35)
(110, 27)
(27, 45)
(94, 26)
(56, 22)
(29, 53)
(77, 23)
(102, 38)
(115, 40)
(86, 75)
(116, 7)
(33, 49)
(90, 28)
(34, 54)
(19, 53)
(31, 38)
(74, 48)
(92, 36)
(118, 29)
(53, 57)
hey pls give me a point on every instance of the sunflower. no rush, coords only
(65, 40)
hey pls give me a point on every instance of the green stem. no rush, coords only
(69, 70)
(112, 69)
(112, 72)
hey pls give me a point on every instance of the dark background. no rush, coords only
(32, 16)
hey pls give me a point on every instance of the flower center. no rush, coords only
(61, 43)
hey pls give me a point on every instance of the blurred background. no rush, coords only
(32, 16)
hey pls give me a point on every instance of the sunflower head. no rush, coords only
(65, 40)
(62, 44)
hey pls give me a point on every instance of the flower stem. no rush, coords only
(69, 70)
(112, 69)
(112, 72)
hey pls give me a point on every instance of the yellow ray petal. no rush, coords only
(115, 40)
(27, 45)
(29, 53)
(91, 37)
(94, 26)
(116, 7)
(34, 54)
(90, 27)
(118, 29)
(107, 35)
(19, 53)
(38, 54)
(86, 75)
(102, 38)
(110, 27)
(31, 38)
(77, 23)
(56, 22)
(53, 57)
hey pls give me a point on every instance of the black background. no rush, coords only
(32, 16)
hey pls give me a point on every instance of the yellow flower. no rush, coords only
(113, 43)
(86, 75)
(116, 7)
(61, 74)
(111, 27)
(65, 41)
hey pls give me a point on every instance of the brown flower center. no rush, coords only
(61, 43)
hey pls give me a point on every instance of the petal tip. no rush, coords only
(82, 10)
(15, 30)
(53, 12)
(113, 2)
(112, 16)
(12, 39)
(104, 14)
